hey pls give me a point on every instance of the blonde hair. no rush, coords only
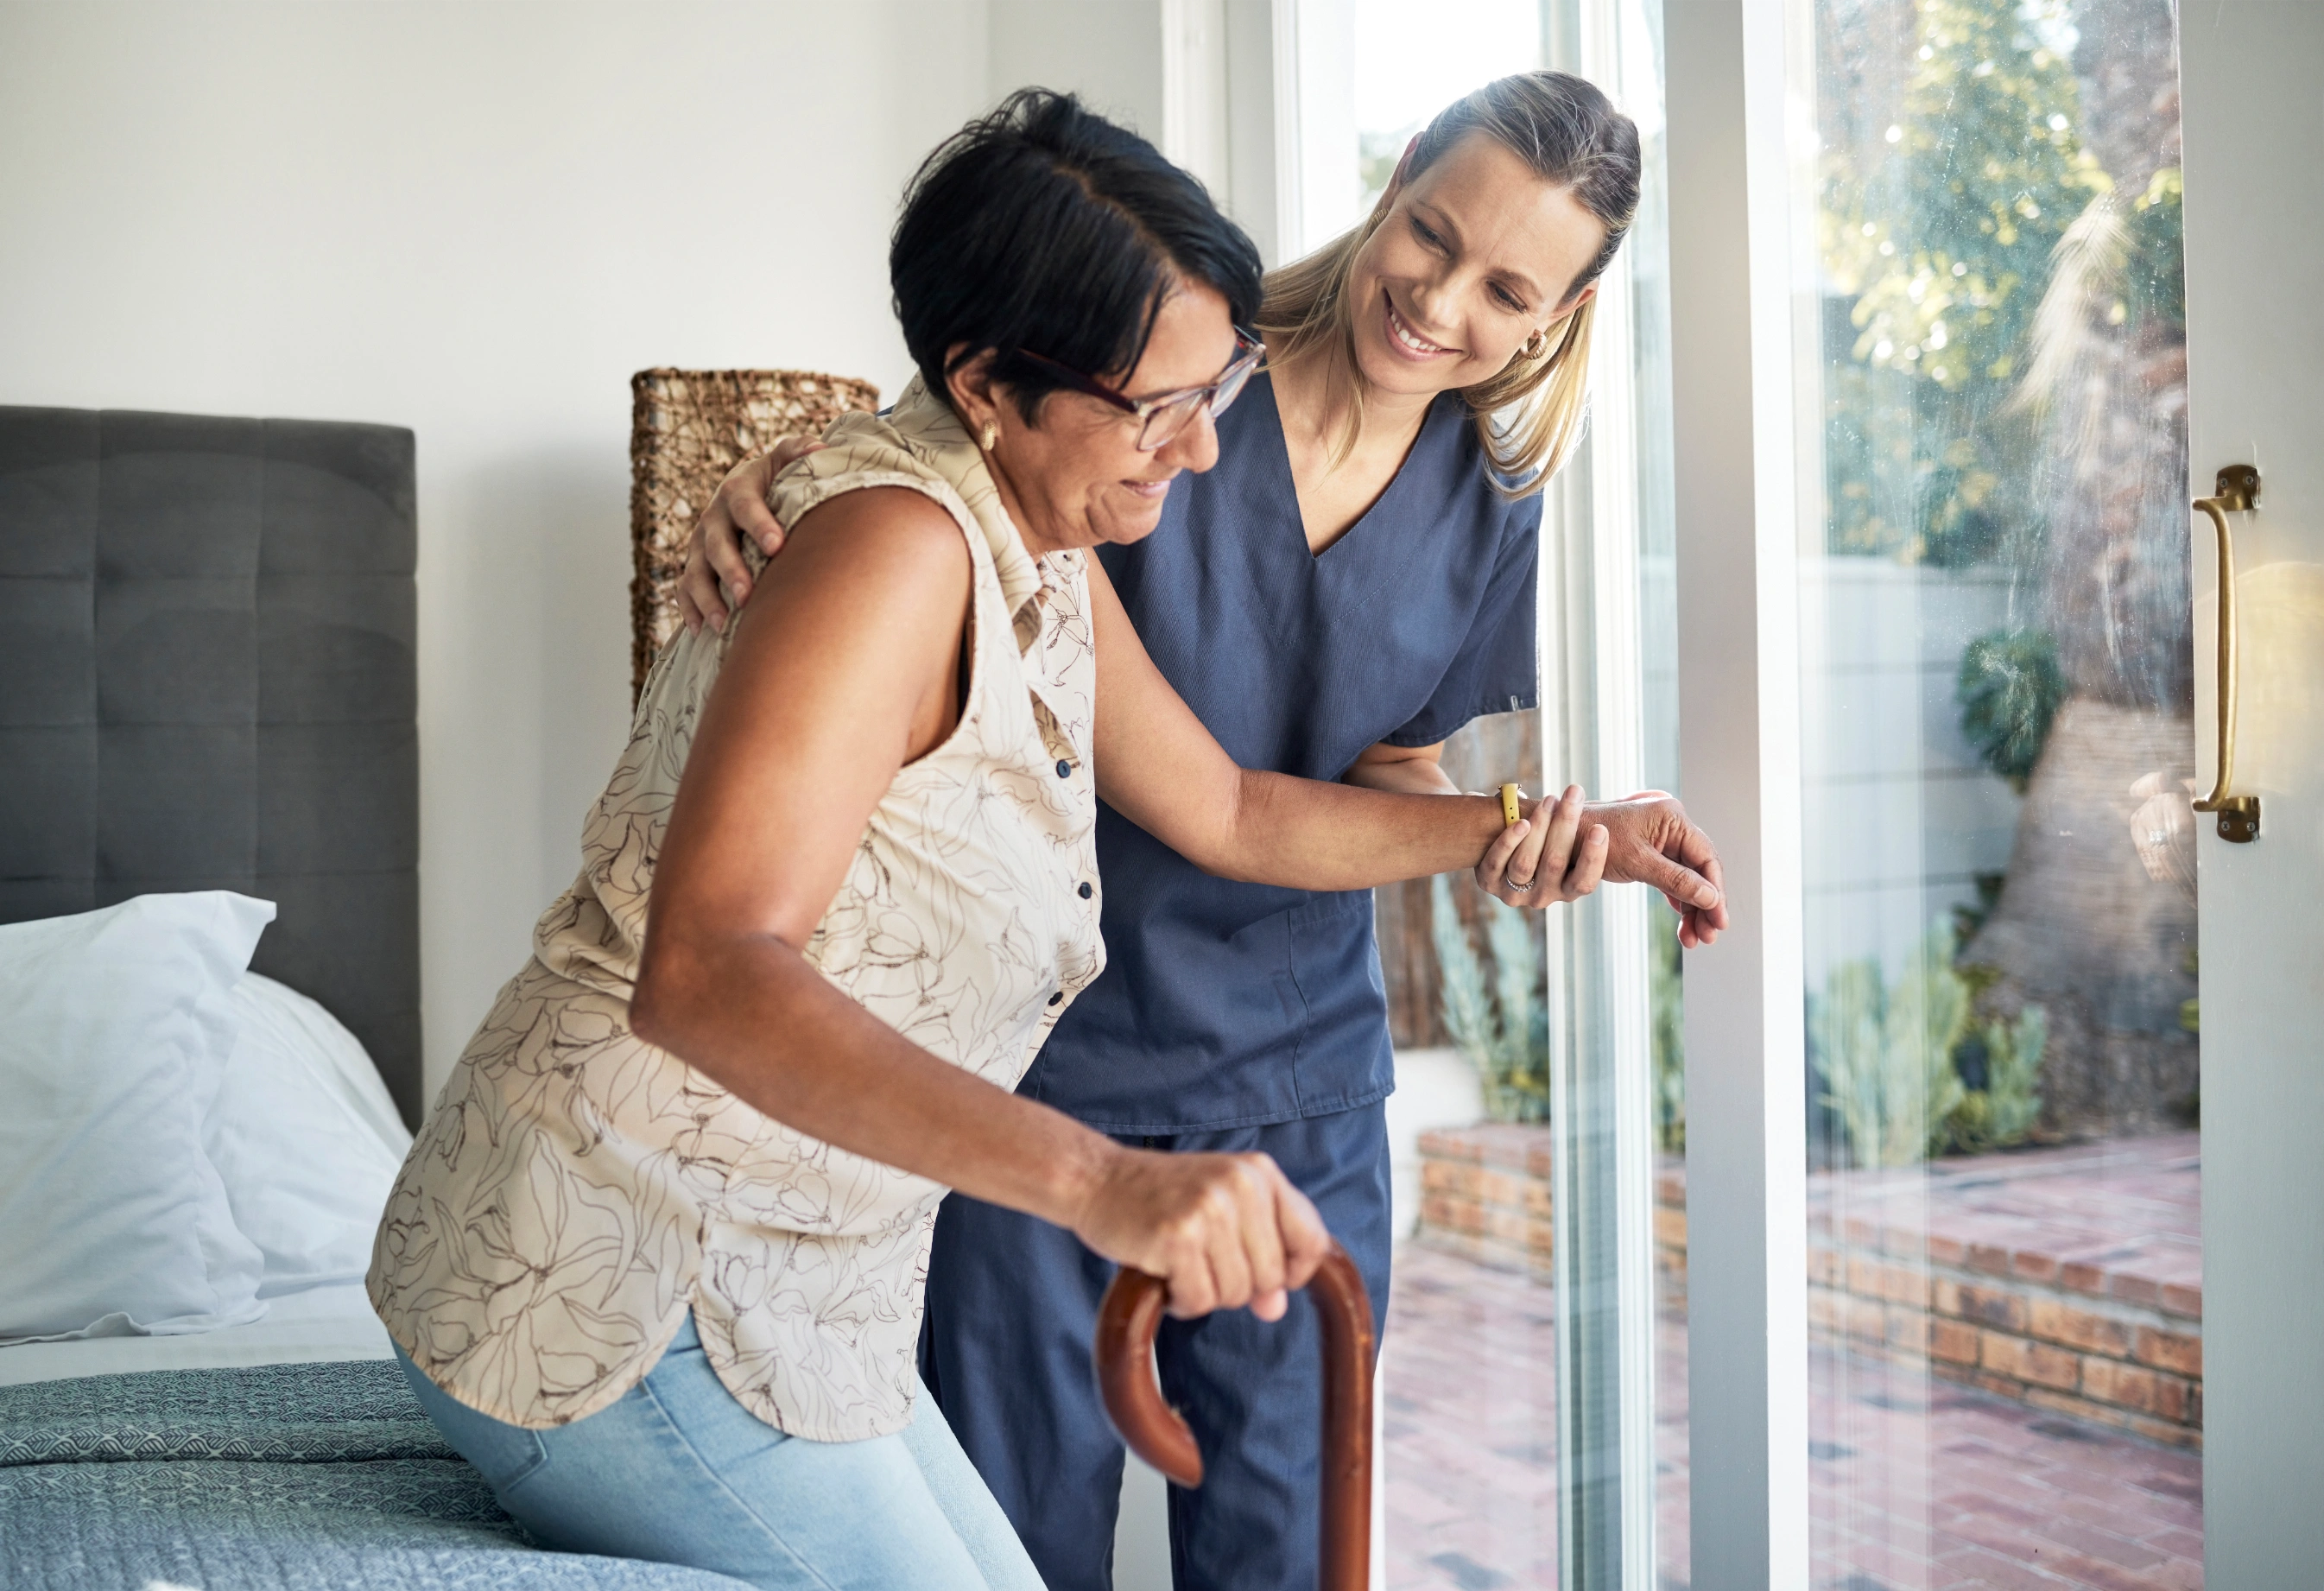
(1529, 416)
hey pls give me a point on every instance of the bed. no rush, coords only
(209, 904)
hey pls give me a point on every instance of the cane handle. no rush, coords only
(1126, 1323)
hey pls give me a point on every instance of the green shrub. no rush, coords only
(2005, 1110)
(1504, 1033)
(1669, 1030)
(1891, 1060)
(1888, 1056)
(2009, 690)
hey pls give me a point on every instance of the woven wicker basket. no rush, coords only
(687, 429)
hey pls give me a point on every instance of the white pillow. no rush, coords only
(115, 1027)
(306, 1138)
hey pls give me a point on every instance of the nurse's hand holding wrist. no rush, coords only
(739, 508)
(1645, 838)
(1545, 857)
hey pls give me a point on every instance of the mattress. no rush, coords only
(288, 1455)
(322, 1323)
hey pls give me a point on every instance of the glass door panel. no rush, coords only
(1469, 1438)
(2005, 1276)
(1519, 1372)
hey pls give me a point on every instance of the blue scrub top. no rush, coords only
(1227, 1005)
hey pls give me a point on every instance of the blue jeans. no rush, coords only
(677, 1471)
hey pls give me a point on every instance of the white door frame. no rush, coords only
(1733, 353)
(2253, 120)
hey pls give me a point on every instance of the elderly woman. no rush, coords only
(655, 1264)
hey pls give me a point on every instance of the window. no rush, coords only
(1541, 1294)
(1980, 1222)
(1997, 749)
(1928, 355)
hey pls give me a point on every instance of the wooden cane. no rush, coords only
(1126, 1323)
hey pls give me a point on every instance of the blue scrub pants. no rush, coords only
(1011, 1309)
(677, 1471)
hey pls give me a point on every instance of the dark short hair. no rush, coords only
(1044, 226)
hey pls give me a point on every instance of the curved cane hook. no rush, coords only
(1126, 1323)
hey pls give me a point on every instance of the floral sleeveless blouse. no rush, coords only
(575, 1189)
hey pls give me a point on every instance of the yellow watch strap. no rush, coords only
(1511, 813)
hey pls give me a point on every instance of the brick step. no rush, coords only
(2067, 1280)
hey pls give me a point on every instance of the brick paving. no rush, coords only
(2070, 1279)
(1917, 1483)
(2120, 1220)
(1469, 1426)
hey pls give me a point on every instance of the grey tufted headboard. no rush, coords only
(207, 681)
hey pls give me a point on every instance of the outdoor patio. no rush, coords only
(2007, 1372)
(1944, 1485)
(2070, 1279)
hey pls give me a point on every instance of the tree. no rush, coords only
(1953, 164)
(2004, 378)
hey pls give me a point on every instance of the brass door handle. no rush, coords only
(2237, 493)
(1126, 1323)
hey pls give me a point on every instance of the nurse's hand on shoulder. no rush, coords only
(1224, 1230)
(738, 509)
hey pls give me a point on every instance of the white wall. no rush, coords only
(1901, 813)
(1109, 51)
(476, 221)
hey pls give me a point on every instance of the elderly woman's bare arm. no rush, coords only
(1157, 765)
(844, 670)
(1560, 854)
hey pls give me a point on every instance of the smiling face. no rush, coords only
(1474, 256)
(1075, 478)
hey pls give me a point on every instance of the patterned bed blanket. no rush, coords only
(285, 1477)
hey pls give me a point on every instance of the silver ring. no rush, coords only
(1514, 884)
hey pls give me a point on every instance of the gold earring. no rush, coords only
(990, 435)
(1535, 344)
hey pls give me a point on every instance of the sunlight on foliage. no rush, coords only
(1936, 232)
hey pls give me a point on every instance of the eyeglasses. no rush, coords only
(1163, 417)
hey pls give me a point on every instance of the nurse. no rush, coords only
(1352, 582)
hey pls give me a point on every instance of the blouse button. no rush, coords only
(1064, 769)
(1084, 892)
(1059, 998)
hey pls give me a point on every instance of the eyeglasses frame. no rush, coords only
(1249, 352)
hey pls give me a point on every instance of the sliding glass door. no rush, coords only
(1877, 1262)
(2254, 137)
(1520, 1369)
(1611, 703)
(2004, 1283)
(1990, 1176)
(1952, 676)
